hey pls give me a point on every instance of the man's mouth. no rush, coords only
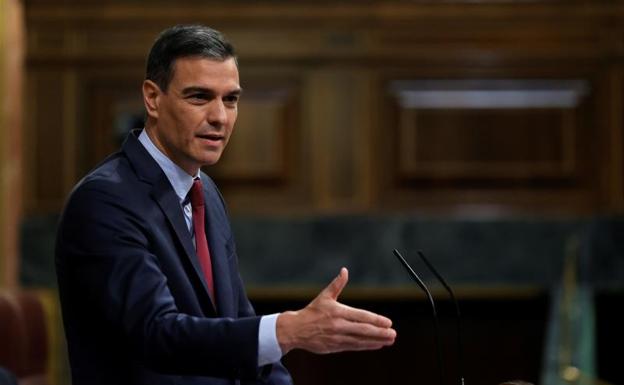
(211, 137)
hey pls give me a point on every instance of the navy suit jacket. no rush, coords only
(134, 301)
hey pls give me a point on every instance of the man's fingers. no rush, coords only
(363, 316)
(350, 336)
(352, 343)
(364, 331)
(334, 289)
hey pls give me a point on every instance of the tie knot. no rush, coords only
(197, 194)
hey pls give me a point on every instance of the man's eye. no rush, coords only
(198, 96)
(232, 99)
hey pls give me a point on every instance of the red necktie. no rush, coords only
(201, 244)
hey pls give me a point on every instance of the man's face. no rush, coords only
(195, 117)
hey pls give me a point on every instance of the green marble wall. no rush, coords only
(277, 252)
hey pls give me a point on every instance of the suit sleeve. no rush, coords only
(106, 269)
(276, 373)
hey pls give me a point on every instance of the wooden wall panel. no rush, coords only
(11, 79)
(491, 144)
(521, 130)
(47, 146)
(267, 126)
(113, 105)
(326, 123)
(338, 120)
(265, 167)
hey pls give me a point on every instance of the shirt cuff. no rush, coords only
(269, 350)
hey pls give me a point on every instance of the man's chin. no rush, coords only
(211, 160)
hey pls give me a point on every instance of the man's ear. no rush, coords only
(151, 98)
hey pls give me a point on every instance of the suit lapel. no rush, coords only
(166, 198)
(219, 254)
(168, 201)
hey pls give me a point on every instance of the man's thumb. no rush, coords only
(335, 287)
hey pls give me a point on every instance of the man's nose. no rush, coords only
(217, 115)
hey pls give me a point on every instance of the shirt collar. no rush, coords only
(179, 179)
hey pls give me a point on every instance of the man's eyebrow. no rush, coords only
(235, 92)
(196, 90)
(203, 90)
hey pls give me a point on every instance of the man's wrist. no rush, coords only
(284, 331)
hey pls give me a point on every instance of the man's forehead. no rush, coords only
(205, 72)
(211, 64)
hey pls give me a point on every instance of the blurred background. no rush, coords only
(489, 134)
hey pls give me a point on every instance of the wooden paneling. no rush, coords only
(114, 103)
(521, 130)
(332, 119)
(11, 75)
(49, 136)
(266, 166)
(339, 123)
(491, 143)
(266, 129)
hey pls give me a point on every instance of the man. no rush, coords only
(146, 262)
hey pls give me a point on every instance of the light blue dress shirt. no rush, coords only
(268, 347)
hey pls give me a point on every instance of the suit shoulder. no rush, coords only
(112, 182)
(111, 175)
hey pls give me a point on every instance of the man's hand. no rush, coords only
(327, 326)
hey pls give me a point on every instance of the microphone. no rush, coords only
(422, 285)
(453, 298)
(460, 349)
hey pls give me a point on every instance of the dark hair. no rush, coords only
(184, 41)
